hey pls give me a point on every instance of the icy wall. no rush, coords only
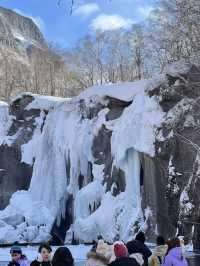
(109, 162)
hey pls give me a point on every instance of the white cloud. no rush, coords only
(145, 11)
(37, 20)
(86, 10)
(110, 22)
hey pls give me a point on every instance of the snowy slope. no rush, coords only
(66, 142)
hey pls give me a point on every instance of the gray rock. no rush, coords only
(15, 27)
(16, 175)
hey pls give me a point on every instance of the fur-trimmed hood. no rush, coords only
(160, 251)
(98, 257)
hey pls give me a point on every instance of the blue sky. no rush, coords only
(59, 27)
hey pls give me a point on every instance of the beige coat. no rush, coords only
(96, 259)
(159, 251)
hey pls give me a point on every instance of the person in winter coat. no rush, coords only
(138, 246)
(122, 257)
(18, 259)
(100, 255)
(158, 254)
(174, 255)
(63, 257)
(44, 256)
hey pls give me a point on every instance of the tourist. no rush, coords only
(138, 246)
(44, 256)
(123, 258)
(63, 257)
(159, 252)
(100, 255)
(18, 259)
(174, 255)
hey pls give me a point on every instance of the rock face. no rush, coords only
(16, 175)
(177, 156)
(106, 164)
(18, 32)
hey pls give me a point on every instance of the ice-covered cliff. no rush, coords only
(108, 162)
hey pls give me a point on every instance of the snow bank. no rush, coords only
(25, 220)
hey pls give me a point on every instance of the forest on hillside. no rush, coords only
(171, 32)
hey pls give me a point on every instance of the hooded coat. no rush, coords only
(22, 262)
(158, 255)
(96, 259)
(175, 258)
(136, 246)
(124, 261)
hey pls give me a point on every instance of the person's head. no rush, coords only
(45, 251)
(16, 253)
(173, 243)
(94, 247)
(104, 249)
(140, 237)
(160, 241)
(63, 256)
(120, 250)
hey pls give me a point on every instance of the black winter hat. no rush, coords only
(15, 249)
(140, 237)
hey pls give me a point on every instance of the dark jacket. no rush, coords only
(13, 263)
(21, 262)
(124, 261)
(136, 246)
(62, 263)
(38, 263)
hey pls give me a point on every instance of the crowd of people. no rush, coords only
(134, 253)
(61, 257)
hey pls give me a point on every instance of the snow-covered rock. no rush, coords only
(114, 160)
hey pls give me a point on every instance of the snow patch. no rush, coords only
(122, 91)
(4, 118)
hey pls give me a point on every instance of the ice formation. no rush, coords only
(61, 149)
